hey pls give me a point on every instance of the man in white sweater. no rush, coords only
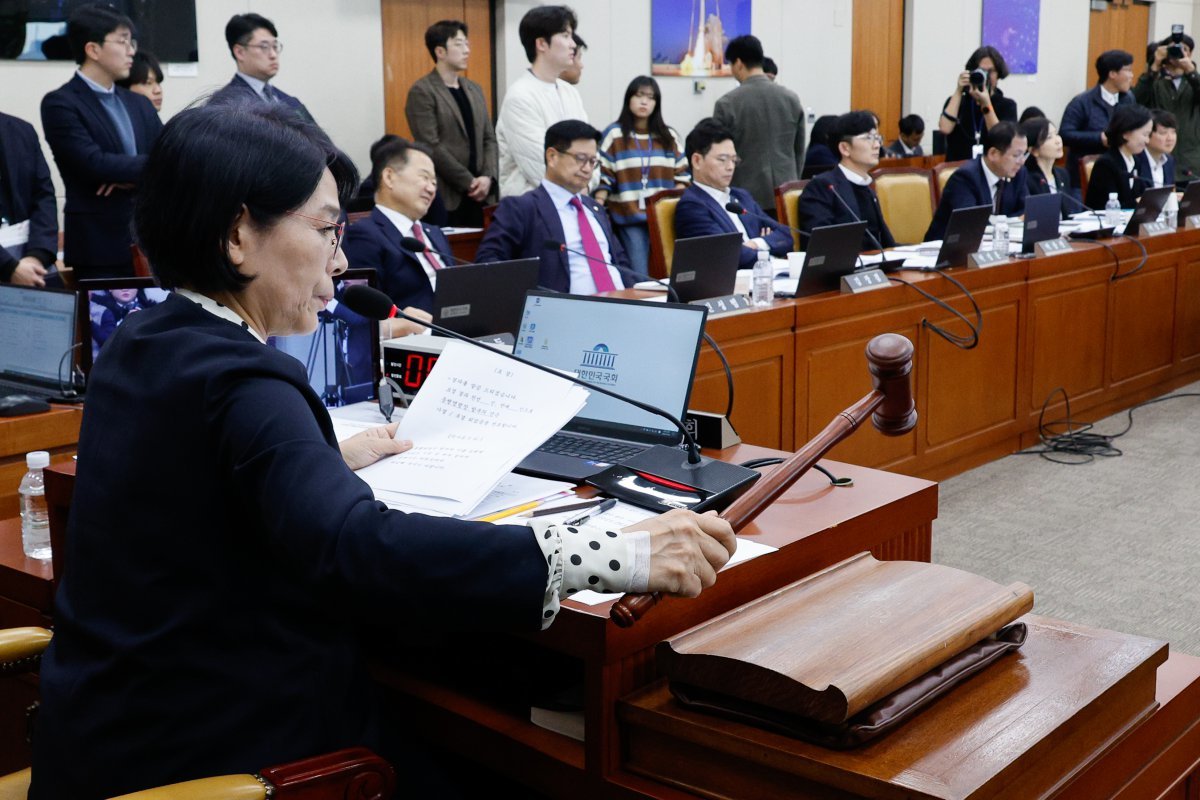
(537, 99)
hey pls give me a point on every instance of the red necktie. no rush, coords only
(429, 254)
(595, 256)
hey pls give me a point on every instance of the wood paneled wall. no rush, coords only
(405, 58)
(877, 64)
(1123, 25)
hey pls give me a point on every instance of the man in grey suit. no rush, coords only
(447, 113)
(767, 122)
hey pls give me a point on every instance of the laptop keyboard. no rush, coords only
(590, 449)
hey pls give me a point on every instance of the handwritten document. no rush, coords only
(477, 415)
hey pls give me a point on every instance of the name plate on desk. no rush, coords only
(863, 281)
(986, 258)
(1051, 247)
(1155, 228)
(1191, 221)
(724, 304)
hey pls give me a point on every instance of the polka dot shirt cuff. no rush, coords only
(590, 557)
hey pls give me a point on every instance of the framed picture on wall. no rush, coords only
(1011, 26)
(688, 37)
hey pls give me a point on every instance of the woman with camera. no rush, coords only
(1172, 84)
(976, 104)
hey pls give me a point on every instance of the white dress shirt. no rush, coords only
(723, 198)
(1108, 97)
(405, 226)
(580, 267)
(531, 105)
(1156, 167)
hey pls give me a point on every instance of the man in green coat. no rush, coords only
(1172, 84)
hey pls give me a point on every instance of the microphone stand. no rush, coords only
(893, 413)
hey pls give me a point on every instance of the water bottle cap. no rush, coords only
(1112, 195)
(38, 459)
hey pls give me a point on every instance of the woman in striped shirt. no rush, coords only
(639, 156)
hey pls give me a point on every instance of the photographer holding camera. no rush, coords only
(1172, 84)
(976, 104)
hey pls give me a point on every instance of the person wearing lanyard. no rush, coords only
(972, 108)
(639, 156)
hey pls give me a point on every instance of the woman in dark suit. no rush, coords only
(1045, 147)
(1117, 170)
(221, 546)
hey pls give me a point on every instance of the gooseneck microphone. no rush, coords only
(417, 246)
(734, 207)
(550, 244)
(852, 213)
(1105, 232)
(374, 304)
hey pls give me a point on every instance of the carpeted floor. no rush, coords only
(1113, 544)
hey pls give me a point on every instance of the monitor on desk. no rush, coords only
(37, 340)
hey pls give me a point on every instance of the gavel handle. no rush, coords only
(741, 512)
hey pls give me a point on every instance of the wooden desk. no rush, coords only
(56, 431)
(814, 524)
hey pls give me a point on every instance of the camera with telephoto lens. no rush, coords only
(979, 78)
(1174, 51)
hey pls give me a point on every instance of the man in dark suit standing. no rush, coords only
(584, 257)
(703, 209)
(994, 179)
(767, 123)
(100, 134)
(26, 200)
(844, 193)
(255, 46)
(405, 184)
(1088, 113)
(447, 113)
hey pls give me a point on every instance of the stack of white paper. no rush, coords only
(477, 415)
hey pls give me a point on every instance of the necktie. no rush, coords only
(998, 200)
(269, 93)
(595, 256)
(419, 235)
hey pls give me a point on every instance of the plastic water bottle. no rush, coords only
(1112, 211)
(1000, 234)
(35, 520)
(1170, 212)
(762, 287)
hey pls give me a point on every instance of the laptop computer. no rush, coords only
(705, 266)
(833, 251)
(341, 358)
(1042, 215)
(37, 342)
(1148, 207)
(1189, 204)
(484, 299)
(964, 233)
(646, 351)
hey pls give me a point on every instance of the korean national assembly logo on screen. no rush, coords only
(598, 365)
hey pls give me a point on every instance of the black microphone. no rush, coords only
(417, 246)
(722, 481)
(550, 244)
(734, 207)
(1103, 232)
(850, 211)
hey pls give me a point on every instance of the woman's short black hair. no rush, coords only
(542, 22)
(987, 51)
(822, 131)
(144, 65)
(1036, 131)
(93, 23)
(1126, 117)
(207, 164)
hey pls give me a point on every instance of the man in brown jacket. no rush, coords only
(447, 113)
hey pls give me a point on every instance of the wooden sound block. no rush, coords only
(826, 647)
(1059, 711)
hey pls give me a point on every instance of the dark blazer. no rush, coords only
(28, 193)
(238, 91)
(203, 628)
(896, 148)
(697, 214)
(1168, 170)
(968, 187)
(89, 154)
(436, 121)
(375, 242)
(960, 140)
(523, 224)
(1110, 175)
(1086, 117)
(819, 207)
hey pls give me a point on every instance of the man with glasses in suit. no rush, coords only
(255, 46)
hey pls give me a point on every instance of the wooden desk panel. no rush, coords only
(56, 431)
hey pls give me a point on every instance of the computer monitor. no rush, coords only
(37, 340)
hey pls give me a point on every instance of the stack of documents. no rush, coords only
(476, 417)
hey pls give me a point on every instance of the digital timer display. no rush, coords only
(409, 368)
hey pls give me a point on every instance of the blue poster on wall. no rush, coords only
(688, 37)
(1011, 26)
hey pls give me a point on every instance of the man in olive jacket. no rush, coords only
(446, 112)
(1172, 84)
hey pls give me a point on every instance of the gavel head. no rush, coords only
(889, 357)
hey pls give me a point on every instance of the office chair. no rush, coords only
(906, 198)
(787, 206)
(660, 219)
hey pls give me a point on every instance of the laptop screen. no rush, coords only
(646, 351)
(37, 332)
(341, 357)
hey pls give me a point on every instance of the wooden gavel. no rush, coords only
(892, 410)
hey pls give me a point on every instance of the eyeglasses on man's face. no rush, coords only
(266, 48)
(871, 138)
(582, 159)
(335, 229)
(726, 160)
(127, 42)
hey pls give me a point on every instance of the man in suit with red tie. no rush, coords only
(405, 183)
(559, 223)
(995, 179)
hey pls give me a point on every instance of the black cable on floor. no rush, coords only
(1078, 444)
